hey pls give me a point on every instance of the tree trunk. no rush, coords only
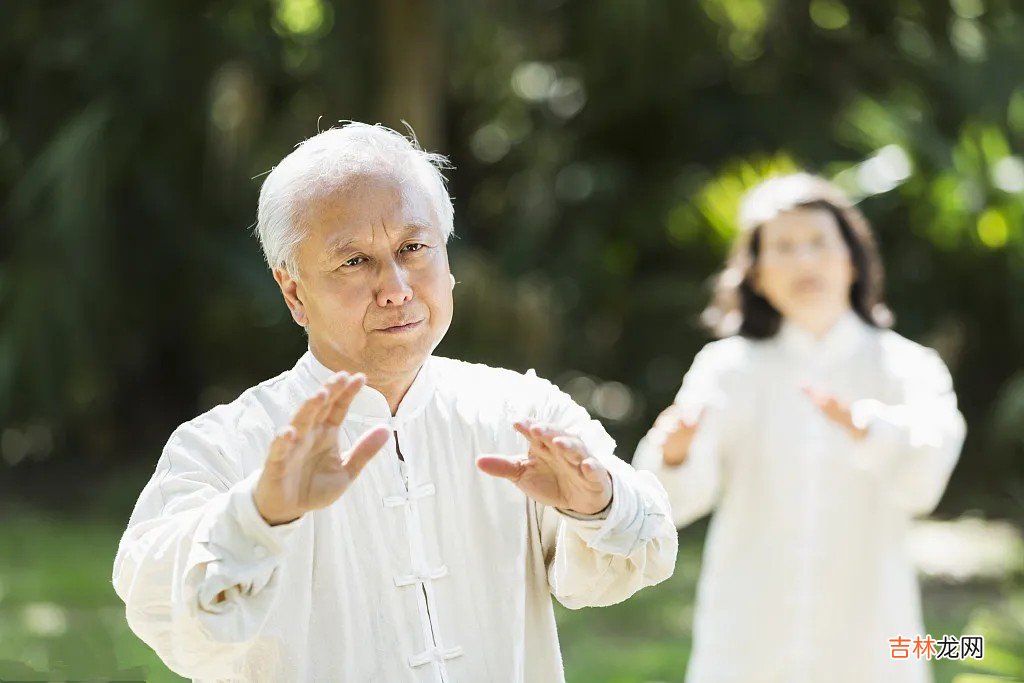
(413, 88)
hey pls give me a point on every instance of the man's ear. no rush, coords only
(452, 276)
(290, 290)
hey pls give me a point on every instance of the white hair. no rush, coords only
(322, 163)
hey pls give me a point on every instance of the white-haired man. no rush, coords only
(254, 552)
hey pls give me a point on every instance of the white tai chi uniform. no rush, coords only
(425, 569)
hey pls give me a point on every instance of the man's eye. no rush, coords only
(413, 247)
(354, 261)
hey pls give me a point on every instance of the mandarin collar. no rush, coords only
(839, 341)
(369, 405)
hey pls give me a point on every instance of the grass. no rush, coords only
(60, 618)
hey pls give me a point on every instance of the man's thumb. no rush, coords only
(365, 447)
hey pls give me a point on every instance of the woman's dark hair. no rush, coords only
(737, 308)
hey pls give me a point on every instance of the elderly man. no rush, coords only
(377, 513)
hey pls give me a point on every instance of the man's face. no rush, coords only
(374, 289)
(804, 267)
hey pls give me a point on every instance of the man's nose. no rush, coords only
(393, 286)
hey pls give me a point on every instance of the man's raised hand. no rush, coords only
(306, 469)
(557, 471)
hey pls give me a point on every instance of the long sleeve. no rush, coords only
(693, 487)
(597, 562)
(197, 567)
(913, 445)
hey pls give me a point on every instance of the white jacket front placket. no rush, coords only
(410, 493)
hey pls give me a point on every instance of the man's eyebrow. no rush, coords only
(341, 245)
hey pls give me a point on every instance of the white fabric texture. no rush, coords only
(805, 575)
(424, 571)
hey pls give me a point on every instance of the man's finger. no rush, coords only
(546, 434)
(304, 417)
(334, 386)
(523, 427)
(506, 467)
(594, 470)
(344, 400)
(365, 447)
(571, 448)
(537, 445)
(281, 446)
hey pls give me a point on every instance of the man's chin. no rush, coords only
(406, 355)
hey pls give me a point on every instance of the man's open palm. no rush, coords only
(557, 470)
(306, 469)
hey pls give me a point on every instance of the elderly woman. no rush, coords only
(377, 513)
(814, 433)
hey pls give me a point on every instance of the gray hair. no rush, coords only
(320, 164)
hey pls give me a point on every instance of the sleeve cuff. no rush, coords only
(592, 517)
(618, 531)
(259, 539)
(241, 548)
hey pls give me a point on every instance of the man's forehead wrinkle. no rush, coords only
(356, 206)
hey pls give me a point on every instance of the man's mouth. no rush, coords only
(400, 328)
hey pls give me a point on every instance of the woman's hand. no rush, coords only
(676, 428)
(835, 410)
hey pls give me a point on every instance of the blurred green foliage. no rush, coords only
(599, 151)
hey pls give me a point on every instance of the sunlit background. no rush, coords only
(599, 151)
